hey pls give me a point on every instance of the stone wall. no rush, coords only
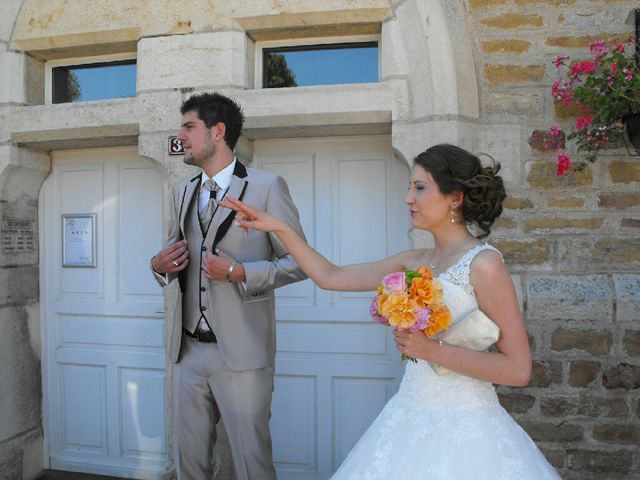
(572, 243)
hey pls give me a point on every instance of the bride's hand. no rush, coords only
(249, 217)
(415, 345)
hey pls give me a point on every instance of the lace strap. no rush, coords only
(460, 272)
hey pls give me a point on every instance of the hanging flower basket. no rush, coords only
(632, 126)
(606, 91)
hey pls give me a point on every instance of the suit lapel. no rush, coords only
(190, 188)
(223, 217)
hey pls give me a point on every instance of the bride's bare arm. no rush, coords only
(511, 364)
(357, 277)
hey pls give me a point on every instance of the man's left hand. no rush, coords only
(215, 267)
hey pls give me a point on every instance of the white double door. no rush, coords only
(104, 362)
(335, 367)
(103, 338)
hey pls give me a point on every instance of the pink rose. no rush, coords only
(395, 282)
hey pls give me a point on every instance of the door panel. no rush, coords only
(104, 331)
(335, 368)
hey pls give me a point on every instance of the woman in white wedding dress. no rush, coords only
(451, 426)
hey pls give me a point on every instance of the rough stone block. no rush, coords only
(516, 402)
(627, 434)
(566, 225)
(21, 285)
(505, 46)
(599, 461)
(513, 21)
(476, 4)
(525, 104)
(631, 342)
(611, 253)
(514, 74)
(566, 41)
(545, 373)
(569, 297)
(559, 405)
(212, 58)
(583, 372)
(543, 141)
(554, 457)
(553, 432)
(630, 223)
(542, 175)
(11, 467)
(625, 252)
(555, 3)
(618, 201)
(516, 203)
(602, 407)
(623, 171)
(20, 382)
(592, 341)
(524, 253)
(623, 375)
(504, 223)
(571, 202)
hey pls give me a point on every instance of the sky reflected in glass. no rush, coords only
(333, 65)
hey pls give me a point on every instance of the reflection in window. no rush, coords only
(96, 81)
(325, 64)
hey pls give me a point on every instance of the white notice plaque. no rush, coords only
(79, 240)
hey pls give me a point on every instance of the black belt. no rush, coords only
(205, 336)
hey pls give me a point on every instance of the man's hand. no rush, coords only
(172, 259)
(215, 267)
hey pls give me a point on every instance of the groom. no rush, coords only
(223, 332)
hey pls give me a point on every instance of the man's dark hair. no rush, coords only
(213, 108)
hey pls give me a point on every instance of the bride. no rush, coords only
(448, 426)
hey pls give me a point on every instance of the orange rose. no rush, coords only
(421, 290)
(399, 309)
(427, 274)
(439, 320)
(381, 299)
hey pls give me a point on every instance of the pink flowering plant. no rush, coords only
(605, 90)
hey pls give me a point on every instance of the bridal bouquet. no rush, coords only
(411, 300)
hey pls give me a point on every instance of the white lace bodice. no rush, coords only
(420, 383)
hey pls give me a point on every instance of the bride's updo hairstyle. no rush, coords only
(456, 170)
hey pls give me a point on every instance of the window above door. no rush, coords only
(310, 62)
(93, 78)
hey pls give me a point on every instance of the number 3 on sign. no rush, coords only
(175, 146)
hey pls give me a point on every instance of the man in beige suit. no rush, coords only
(223, 338)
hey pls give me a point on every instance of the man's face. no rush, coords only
(196, 140)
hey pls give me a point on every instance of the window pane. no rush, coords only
(81, 83)
(320, 65)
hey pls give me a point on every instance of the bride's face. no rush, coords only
(428, 206)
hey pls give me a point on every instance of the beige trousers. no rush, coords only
(208, 389)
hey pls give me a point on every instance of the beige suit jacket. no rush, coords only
(243, 313)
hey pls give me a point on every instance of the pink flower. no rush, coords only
(395, 282)
(555, 131)
(614, 68)
(583, 121)
(584, 66)
(598, 46)
(620, 47)
(564, 164)
(628, 74)
(560, 60)
(373, 311)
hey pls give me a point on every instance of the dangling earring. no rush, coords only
(453, 220)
